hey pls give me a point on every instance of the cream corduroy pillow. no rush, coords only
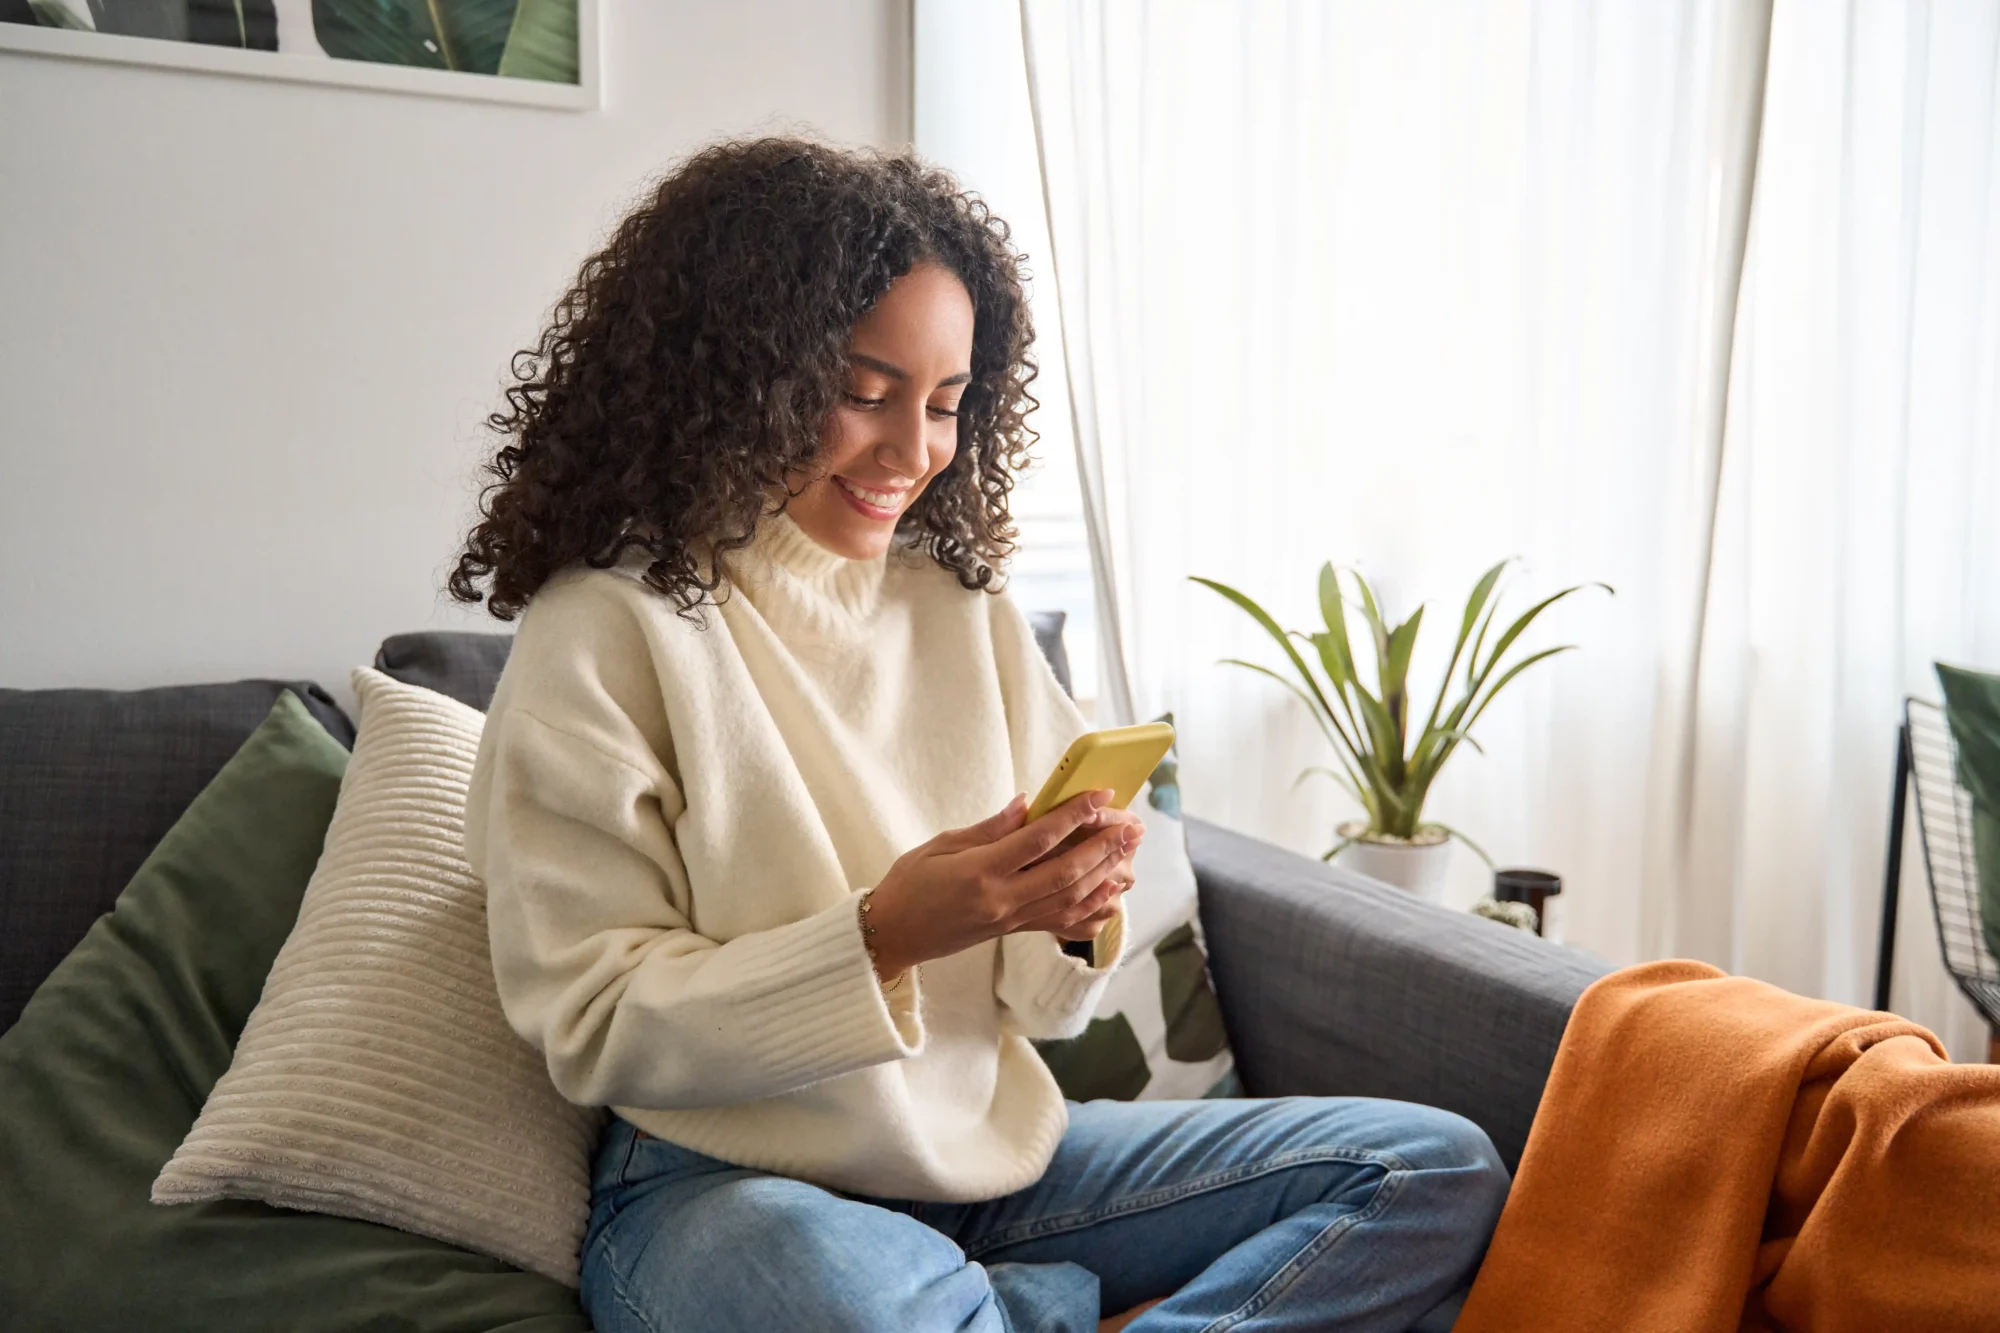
(377, 1077)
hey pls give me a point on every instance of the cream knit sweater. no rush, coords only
(675, 823)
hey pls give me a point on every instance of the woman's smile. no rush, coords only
(878, 504)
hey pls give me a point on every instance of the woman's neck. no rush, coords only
(796, 583)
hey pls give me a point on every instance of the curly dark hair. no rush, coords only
(691, 368)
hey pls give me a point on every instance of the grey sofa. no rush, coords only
(1329, 983)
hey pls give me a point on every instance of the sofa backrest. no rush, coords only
(90, 780)
(466, 665)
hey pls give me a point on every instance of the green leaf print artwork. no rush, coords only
(533, 40)
(249, 24)
(467, 35)
(542, 43)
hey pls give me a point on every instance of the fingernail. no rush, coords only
(1099, 798)
(1020, 799)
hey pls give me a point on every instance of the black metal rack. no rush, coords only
(1927, 759)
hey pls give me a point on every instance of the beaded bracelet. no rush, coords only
(868, 942)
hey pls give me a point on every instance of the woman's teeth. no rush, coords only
(880, 499)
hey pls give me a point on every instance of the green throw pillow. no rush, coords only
(103, 1075)
(1972, 707)
(1158, 1029)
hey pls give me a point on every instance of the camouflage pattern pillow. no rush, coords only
(1158, 1030)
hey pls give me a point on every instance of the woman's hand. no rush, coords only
(1002, 875)
(1097, 910)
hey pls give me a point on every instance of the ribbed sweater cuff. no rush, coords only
(811, 1008)
(1071, 983)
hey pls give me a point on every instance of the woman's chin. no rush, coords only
(845, 534)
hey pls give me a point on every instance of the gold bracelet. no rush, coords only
(868, 943)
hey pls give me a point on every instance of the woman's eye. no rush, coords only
(859, 401)
(937, 411)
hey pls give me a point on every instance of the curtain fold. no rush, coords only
(1739, 57)
(1075, 127)
(1410, 288)
(1415, 287)
(1857, 534)
(1072, 141)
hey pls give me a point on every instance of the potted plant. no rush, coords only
(1385, 763)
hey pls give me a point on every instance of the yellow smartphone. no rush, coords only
(1121, 758)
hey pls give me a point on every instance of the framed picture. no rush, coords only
(535, 52)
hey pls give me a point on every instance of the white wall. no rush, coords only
(249, 329)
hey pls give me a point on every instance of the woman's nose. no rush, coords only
(903, 446)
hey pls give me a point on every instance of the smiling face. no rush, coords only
(896, 425)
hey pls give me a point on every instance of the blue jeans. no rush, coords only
(1257, 1216)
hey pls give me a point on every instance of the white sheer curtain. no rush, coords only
(1412, 287)
(1857, 534)
(972, 116)
(1416, 286)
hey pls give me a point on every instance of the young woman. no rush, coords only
(749, 814)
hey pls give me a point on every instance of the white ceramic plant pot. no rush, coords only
(1417, 866)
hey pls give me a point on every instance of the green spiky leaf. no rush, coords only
(1301, 695)
(1477, 850)
(1526, 619)
(468, 35)
(1372, 613)
(1396, 670)
(542, 42)
(1474, 605)
(1370, 731)
(1270, 626)
(56, 14)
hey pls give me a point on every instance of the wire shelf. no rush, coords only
(1944, 819)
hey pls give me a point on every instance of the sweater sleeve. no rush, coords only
(599, 969)
(1047, 994)
(1044, 993)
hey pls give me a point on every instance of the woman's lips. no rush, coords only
(870, 501)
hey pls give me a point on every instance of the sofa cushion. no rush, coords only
(377, 1077)
(103, 1075)
(458, 664)
(1972, 710)
(1048, 627)
(465, 665)
(90, 780)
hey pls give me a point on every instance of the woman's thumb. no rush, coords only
(987, 830)
(1006, 821)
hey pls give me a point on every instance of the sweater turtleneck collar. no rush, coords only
(789, 576)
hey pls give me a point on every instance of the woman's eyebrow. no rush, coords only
(896, 372)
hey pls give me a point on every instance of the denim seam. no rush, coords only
(625, 1166)
(1139, 1203)
(1293, 1268)
(618, 1287)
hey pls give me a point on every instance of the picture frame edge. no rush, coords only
(110, 48)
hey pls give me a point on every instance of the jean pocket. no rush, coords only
(625, 1155)
(652, 1161)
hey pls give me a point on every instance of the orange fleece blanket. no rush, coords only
(1713, 1153)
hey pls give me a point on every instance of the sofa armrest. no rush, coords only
(1335, 985)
